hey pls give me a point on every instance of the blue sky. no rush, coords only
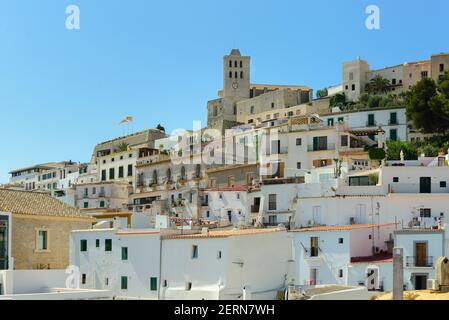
(63, 91)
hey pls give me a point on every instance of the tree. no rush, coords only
(374, 101)
(394, 150)
(122, 147)
(377, 85)
(321, 93)
(428, 105)
(337, 100)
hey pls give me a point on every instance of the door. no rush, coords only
(314, 246)
(313, 276)
(360, 212)
(420, 254)
(230, 216)
(317, 215)
(424, 185)
(420, 282)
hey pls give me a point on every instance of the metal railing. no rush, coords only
(414, 261)
(416, 188)
(329, 146)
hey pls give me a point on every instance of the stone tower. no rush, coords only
(236, 75)
(222, 112)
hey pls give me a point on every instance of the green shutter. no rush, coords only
(393, 118)
(330, 122)
(124, 253)
(371, 119)
(341, 119)
(315, 143)
(393, 134)
(83, 245)
(153, 284)
(124, 283)
(108, 245)
(97, 243)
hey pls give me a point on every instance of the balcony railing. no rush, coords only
(414, 261)
(416, 188)
(329, 146)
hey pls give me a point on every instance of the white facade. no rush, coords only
(227, 206)
(392, 120)
(326, 255)
(225, 267)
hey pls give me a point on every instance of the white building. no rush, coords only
(148, 264)
(421, 249)
(391, 120)
(342, 254)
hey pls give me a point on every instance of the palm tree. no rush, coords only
(377, 85)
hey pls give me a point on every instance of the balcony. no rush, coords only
(371, 123)
(416, 188)
(419, 262)
(281, 150)
(329, 146)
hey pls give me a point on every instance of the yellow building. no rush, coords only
(35, 230)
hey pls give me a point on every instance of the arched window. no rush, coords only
(230, 63)
(241, 64)
(235, 64)
(241, 74)
(230, 74)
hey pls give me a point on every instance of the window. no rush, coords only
(106, 281)
(442, 184)
(330, 122)
(424, 74)
(298, 165)
(42, 243)
(272, 105)
(241, 64)
(241, 74)
(351, 76)
(340, 240)
(236, 75)
(353, 87)
(319, 143)
(272, 202)
(83, 278)
(219, 254)
(194, 252)
(111, 174)
(130, 170)
(230, 74)
(86, 192)
(83, 245)
(393, 81)
(188, 286)
(344, 141)
(124, 283)
(340, 273)
(252, 109)
(165, 284)
(298, 141)
(112, 160)
(393, 134)
(153, 284)
(120, 172)
(395, 179)
(393, 118)
(97, 243)
(94, 190)
(108, 245)
(314, 246)
(371, 121)
(124, 253)
(425, 213)
(235, 64)
(103, 175)
(86, 205)
(215, 111)
(441, 67)
(230, 63)
(235, 109)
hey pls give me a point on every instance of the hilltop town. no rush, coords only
(285, 194)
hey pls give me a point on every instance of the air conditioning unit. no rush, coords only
(352, 220)
(432, 284)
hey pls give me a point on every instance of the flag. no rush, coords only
(127, 119)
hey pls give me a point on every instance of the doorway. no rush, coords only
(425, 185)
(420, 254)
(420, 281)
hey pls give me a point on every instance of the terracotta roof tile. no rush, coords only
(341, 227)
(222, 234)
(35, 203)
